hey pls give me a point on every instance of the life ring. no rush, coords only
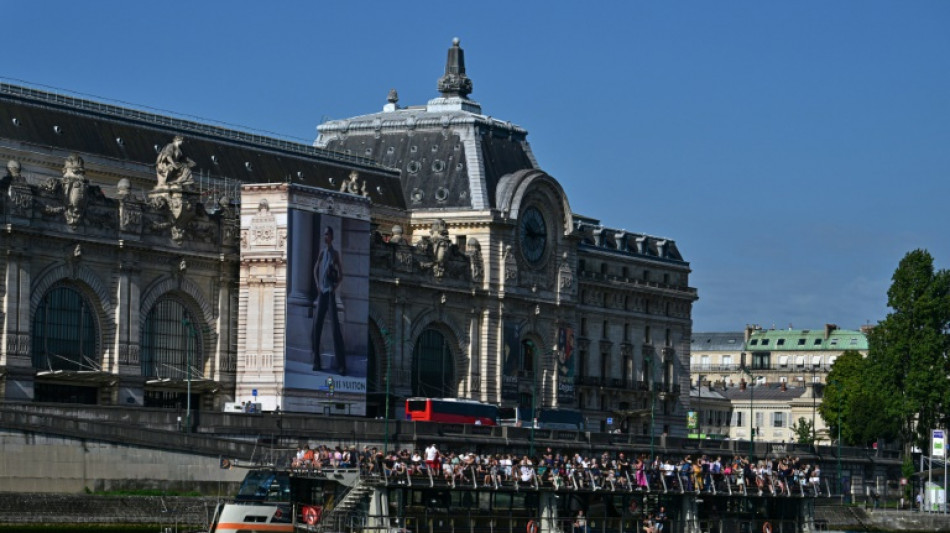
(532, 527)
(311, 514)
(766, 528)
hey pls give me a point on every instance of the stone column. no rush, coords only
(399, 365)
(223, 368)
(474, 355)
(125, 361)
(16, 328)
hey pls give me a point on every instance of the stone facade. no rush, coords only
(493, 258)
(121, 252)
(121, 249)
(484, 283)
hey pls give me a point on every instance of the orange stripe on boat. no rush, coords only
(254, 526)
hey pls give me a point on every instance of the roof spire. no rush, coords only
(454, 83)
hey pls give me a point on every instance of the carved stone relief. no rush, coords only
(172, 166)
(263, 229)
(474, 253)
(74, 187)
(434, 254)
(21, 196)
(352, 185)
(511, 265)
(565, 276)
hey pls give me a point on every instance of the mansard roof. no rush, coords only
(133, 138)
(449, 154)
(595, 236)
(807, 340)
(764, 392)
(717, 341)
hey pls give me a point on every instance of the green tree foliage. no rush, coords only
(804, 431)
(865, 423)
(846, 380)
(907, 365)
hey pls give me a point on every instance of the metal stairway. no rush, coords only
(338, 518)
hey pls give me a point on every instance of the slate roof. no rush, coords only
(706, 393)
(726, 341)
(50, 120)
(449, 154)
(763, 393)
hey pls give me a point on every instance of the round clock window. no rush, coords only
(533, 234)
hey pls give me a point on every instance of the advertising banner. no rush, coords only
(565, 366)
(512, 355)
(327, 313)
(692, 420)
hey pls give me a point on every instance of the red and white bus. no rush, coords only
(451, 410)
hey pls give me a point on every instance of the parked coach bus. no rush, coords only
(451, 411)
(547, 418)
(514, 417)
(561, 419)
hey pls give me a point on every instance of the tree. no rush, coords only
(804, 431)
(865, 423)
(846, 380)
(907, 352)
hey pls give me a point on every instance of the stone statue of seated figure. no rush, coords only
(172, 166)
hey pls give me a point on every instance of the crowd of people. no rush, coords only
(606, 471)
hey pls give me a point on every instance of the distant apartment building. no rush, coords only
(770, 378)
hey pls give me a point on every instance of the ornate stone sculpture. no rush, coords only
(565, 275)
(263, 231)
(441, 244)
(454, 82)
(21, 196)
(474, 253)
(511, 265)
(13, 171)
(397, 237)
(353, 186)
(172, 166)
(74, 188)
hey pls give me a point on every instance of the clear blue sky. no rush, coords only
(795, 151)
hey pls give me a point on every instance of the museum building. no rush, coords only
(125, 263)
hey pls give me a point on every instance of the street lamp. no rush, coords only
(649, 360)
(534, 393)
(191, 331)
(838, 389)
(389, 367)
(814, 396)
(699, 410)
(751, 411)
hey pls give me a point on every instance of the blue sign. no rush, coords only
(254, 393)
(610, 420)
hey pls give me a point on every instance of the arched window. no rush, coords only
(170, 342)
(433, 369)
(65, 334)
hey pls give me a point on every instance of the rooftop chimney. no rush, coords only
(829, 328)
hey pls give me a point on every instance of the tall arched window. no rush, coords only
(433, 369)
(170, 342)
(65, 334)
